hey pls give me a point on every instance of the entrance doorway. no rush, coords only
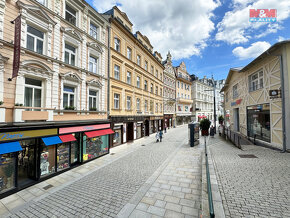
(27, 163)
(146, 127)
(236, 119)
(130, 132)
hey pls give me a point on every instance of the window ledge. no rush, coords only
(116, 109)
(129, 110)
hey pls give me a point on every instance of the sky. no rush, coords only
(210, 36)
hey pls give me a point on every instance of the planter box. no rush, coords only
(2, 114)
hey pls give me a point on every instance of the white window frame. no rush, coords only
(138, 81)
(36, 38)
(129, 77)
(145, 85)
(139, 60)
(70, 52)
(138, 104)
(94, 64)
(33, 87)
(129, 53)
(146, 65)
(156, 107)
(257, 83)
(116, 101)
(235, 91)
(69, 94)
(146, 105)
(73, 8)
(117, 72)
(92, 31)
(129, 102)
(117, 44)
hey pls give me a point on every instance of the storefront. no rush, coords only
(168, 118)
(258, 122)
(157, 124)
(139, 128)
(30, 156)
(118, 135)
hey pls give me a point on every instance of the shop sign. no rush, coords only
(237, 102)
(156, 118)
(275, 94)
(82, 128)
(19, 135)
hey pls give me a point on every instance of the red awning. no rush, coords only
(67, 138)
(99, 133)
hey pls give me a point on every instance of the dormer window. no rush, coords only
(34, 40)
(117, 44)
(70, 14)
(94, 31)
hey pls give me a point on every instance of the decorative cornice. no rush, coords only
(72, 32)
(71, 76)
(116, 58)
(96, 46)
(95, 83)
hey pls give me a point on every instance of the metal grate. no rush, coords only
(47, 187)
(112, 153)
(247, 156)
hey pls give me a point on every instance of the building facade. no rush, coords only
(183, 95)
(169, 93)
(257, 98)
(136, 81)
(203, 102)
(219, 102)
(53, 114)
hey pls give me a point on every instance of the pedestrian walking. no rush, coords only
(211, 131)
(157, 137)
(165, 129)
(160, 135)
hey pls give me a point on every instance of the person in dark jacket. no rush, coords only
(211, 131)
(160, 135)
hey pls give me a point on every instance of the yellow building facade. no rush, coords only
(136, 81)
(256, 98)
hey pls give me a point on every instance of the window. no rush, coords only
(129, 77)
(117, 44)
(156, 90)
(182, 85)
(93, 64)
(32, 93)
(146, 65)
(70, 54)
(151, 106)
(160, 107)
(43, 2)
(161, 76)
(138, 81)
(156, 108)
(235, 91)
(256, 81)
(181, 95)
(116, 101)
(152, 69)
(68, 97)
(139, 60)
(151, 88)
(116, 72)
(34, 41)
(156, 73)
(138, 104)
(128, 103)
(145, 85)
(94, 31)
(146, 105)
(129, 53)
(178, 84)
(70, 15)
(93, 100)
(161, 91)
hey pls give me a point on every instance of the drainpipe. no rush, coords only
(109, 58)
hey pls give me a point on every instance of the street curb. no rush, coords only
(216, 195)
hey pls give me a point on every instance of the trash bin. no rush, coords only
(193, 134)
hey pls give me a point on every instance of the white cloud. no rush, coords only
(235, 27)
(280, 39)
(253, 51)
(183, 27)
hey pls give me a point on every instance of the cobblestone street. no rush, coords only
(252, 187)
(104, 192)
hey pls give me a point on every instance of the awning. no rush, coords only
(10, 147)
(51, 140)
(67, 138)
(99, 133)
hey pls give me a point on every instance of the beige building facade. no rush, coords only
(183, 95)
(55, 110)
(136, 81)
(257, 98)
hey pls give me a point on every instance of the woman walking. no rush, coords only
(157, 136)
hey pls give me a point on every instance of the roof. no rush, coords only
(231, 71)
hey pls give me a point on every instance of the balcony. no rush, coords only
(24, 114)
(184, 101)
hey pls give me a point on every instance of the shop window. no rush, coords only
(93, 100)
(117, 72)
(93, 65)
(94, 31)
(95, 147)
(34, 40)
(32, 93)
(129, 77)
(117, 139)
(74, 152)
(138, 104)
(7, 172)
(235, 91)
(47, 160)
(128, 103)
(117, 44)
(63, 156)
(145, 85)
(256, 81)
(69, 97)
(138, 81)
(70, 14)
(116, 101)
(129, 53)
(139, 60)
(70, 54)
(146, 65)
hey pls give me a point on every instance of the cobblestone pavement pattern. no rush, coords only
(104, 192)
(252, 187)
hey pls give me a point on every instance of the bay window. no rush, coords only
(70, 54)
(68, 97)
(34, 40)
(32, 93)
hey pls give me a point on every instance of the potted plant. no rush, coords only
(221, 119)
(1, 102)
(204, 126)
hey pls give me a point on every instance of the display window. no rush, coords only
(63, 156)
(74, 152)
(139, 131)
(47, 160)
(7, 172)
(95, 147)
(117, 139)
